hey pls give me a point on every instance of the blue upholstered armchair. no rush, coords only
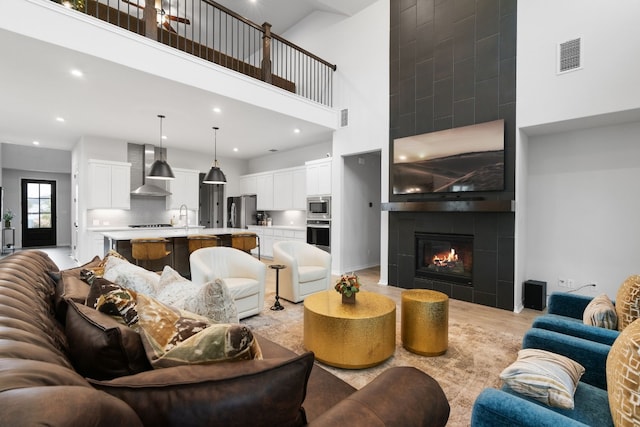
(497, 408)
(564, 315)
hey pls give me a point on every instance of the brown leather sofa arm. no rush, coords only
(400, 396)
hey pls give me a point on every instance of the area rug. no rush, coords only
(473, 361)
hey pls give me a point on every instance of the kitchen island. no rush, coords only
(120, 241)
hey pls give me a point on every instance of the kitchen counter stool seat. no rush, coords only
(149, 249)
(199, 241)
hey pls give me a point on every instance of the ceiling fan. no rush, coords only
(165, 18)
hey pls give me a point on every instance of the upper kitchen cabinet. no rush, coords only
(264, 187)
(289, 189)
(185, 189)
(109, 185)
(319, 177)
(248, 185)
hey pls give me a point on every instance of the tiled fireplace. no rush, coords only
(482, 241)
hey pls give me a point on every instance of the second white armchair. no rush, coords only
(308, 269)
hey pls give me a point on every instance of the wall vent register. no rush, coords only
(569, 56)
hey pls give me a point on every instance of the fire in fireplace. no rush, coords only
(447, 257)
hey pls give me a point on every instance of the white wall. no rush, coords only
(608, 80)
(583, 204)
(289, 158)
(361, 85)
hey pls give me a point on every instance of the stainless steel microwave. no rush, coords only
(319, 207)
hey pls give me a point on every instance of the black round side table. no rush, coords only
(277, 268)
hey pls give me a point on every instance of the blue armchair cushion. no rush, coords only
(601, 312)
(544, 376)
(591, 355)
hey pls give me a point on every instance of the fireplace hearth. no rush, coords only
(446, 257)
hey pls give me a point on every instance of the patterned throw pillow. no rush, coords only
(544, 376)
(211, 300)
(623, 377)
(131, 276)
(600, 312)
(628, 302)
(173, 337)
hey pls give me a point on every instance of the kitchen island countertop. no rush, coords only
(141, 233)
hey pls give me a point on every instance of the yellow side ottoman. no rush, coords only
(425, 322)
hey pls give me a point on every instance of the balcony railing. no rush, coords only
(212, 32)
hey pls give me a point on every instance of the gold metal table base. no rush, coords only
(425, 322)
(350, 336)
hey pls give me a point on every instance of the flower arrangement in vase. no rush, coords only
(348, 286)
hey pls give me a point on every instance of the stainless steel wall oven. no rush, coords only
(319, 233)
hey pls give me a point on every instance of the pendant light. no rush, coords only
(160, 169)
(215, 174)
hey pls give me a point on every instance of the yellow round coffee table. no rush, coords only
(350, 336)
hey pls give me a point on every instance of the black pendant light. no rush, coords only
(215, 174)
(160, 169)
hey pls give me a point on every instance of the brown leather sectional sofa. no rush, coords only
(41, 383)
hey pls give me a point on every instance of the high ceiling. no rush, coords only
(36, 88)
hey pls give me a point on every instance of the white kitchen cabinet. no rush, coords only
(283, 190)
(248, 184)
(319, 177)
(270, 235)
(95, 244)
(299, 193)
(185, 189)
(264, 191)
(109, 185)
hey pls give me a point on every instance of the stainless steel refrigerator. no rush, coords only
(241, 211)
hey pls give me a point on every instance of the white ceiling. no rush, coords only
(36, 88)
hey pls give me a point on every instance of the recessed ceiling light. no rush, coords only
(36, 142)
(235, 149)
(296, 130)
(76, 73)
(164, 136)
(217, 110)
(60, 119)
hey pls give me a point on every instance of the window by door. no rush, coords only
(38, 213)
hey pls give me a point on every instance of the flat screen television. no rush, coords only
(469, 158)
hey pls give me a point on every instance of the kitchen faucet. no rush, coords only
(186, 215)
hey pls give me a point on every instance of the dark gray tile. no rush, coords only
(508, 37)
(405, 4)
(484, 298)
(426, 10)
(487, 18)
(485, 275)
(394, 72)
(486, 232)
(445, 288)
(407, 24)
(406, 270)
(393, 275)
(507, 81)
(506, 225)
(424, 42)
(487, 58)
(464, 39)
(506, 257)
(443, 18)
(462, 293)
(464, 80)
(487, 100)
(407, 96)
(424, 79)
(464, 113)
(443, 123)
(394, 44)
(463, 9)
(505, 296)
(508, 7)
(424, 115)
(406, 125)
(407, 60)
(443, 103)
(393, 111)
(443, 60)
(462, 223)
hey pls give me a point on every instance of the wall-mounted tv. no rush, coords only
(469, 158)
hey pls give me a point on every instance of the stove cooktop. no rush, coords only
(150, 225)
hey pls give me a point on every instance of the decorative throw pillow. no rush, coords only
(544, 376)
(623, 377)
(173, 289)
(174, 337)
(69, 286)
(100, 347)
(131, 276)
(600, 312)
(628, 302)
(99, 286)
(214, 301)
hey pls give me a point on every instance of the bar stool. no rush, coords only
(149, 249)
(199, 241)
(245, 242)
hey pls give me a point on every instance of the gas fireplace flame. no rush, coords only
(445, 258)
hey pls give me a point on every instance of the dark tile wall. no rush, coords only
(453, 64)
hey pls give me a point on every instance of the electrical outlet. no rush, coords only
(571, 283)
(562, 283)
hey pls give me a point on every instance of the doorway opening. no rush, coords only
(38, 212)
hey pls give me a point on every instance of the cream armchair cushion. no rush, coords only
(243, 274)
(308, 269)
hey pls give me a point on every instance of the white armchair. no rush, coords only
(243, 274)
(308, 269)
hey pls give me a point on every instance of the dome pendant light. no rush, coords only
(160, 169)
(215, 174)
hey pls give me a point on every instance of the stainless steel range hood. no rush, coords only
(141, 158)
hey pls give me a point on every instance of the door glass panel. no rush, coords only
(38, 205)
